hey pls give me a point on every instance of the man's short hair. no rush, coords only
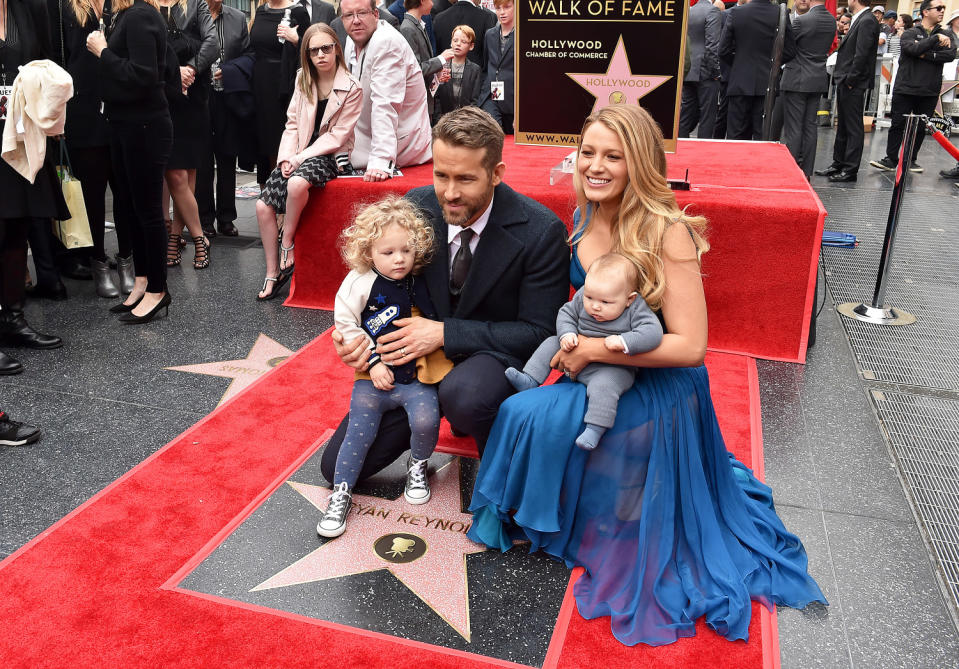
(926, 4)
(472, 128)
(411, 4)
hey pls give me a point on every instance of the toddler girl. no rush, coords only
(388, 242)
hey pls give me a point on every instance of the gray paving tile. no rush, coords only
(894, 611)
(814, 636)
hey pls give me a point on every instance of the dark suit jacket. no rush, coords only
(236, 35)
(197, 23)
(464, 13)
(470, 91)
(415, 35)
(703, 29)
(322, 12)
(747, 44)
(856, 56)
(499, 67)
(806, 73)
(337, 24)
(518, 280)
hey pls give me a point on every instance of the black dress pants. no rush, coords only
(722, 111)
(13, 259)
(850, 133)
(903, 104)
(216, 203)
(799, 127)
(469, 396)
(139, 151)
(93, 167)
(46, 249)
(745, 117)
(699, 107)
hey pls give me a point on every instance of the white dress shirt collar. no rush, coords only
(453, 231)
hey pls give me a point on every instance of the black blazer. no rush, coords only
(236, 34)
(470, 90)
(806, 73)
(197, 24)
(464, 13)
(747, 45)
(518, 280)
(86, 127)
(856, 56)
(703, 29)
(499, 67)
(322, 12)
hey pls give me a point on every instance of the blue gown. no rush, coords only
(668, 525)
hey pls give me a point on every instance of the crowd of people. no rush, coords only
(731, 46)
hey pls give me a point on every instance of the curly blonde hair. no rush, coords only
(371, 222)
(649, 205)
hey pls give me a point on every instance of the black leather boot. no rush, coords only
(103, 279)
(127, 275)
(15, 331)
(9, 366)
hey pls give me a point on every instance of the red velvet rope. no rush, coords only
(946, 144)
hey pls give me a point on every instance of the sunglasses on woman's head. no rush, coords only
(325, 48)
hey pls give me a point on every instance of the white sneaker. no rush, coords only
(333, 522)
(417, 489)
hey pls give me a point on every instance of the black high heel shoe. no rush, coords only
(164, 303)
(123, 308)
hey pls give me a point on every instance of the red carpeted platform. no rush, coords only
(765, 228)
(95, 589)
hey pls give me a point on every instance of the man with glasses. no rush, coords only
(394, 127)
(923, 50)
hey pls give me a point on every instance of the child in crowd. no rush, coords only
(466, 77)
(326, 103)
(388, 243)
(497, 97)
(606, 306)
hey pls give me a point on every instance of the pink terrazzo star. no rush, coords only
(618, 85)
(424, 546)
(263, 357)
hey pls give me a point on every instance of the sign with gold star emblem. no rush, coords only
(947, 86)
(589, 54)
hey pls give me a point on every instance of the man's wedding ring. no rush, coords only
(403, 351)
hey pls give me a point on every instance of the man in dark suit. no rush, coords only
(233, 41)
(414, 31)
(319, 11)
(747, 44)
(464, 12)
(855, 67)
(498, 276)
(701, 85)
(804, 81)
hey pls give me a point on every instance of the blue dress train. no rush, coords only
(667, 523)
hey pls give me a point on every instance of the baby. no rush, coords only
(606, 306)
(386, 246)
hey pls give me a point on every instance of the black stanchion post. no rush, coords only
(877, 312)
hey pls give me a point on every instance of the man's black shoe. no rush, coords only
(829, 171)
(9, 366)
(74, 269)
(950, 174)
(56, 292)
(208, 229)
(885, 163)
(13, 433)
(15, 331)
(844, 175)
(227, 229)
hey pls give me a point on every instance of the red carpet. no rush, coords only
(88, 591)
(765, 228)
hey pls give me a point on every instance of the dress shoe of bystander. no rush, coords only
(844, 175)
(15, 331)
(227, 229)
(9, 366)
(56, 292)
(828, 171)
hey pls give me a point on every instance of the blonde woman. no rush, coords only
(667, 525)
(131, 69)
(319, 124)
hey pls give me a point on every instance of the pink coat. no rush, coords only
(336, 129)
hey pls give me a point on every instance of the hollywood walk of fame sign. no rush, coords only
(947, 87)
(263, 357)
(574, 57)
(425, 547)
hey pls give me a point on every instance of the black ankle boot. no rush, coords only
(15, 331)
(9, 366)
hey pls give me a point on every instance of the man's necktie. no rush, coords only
(461, 263)
(305, 4)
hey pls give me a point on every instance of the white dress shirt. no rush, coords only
(453, 232)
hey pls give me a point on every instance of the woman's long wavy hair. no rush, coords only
(308, 77)
(648, 206)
